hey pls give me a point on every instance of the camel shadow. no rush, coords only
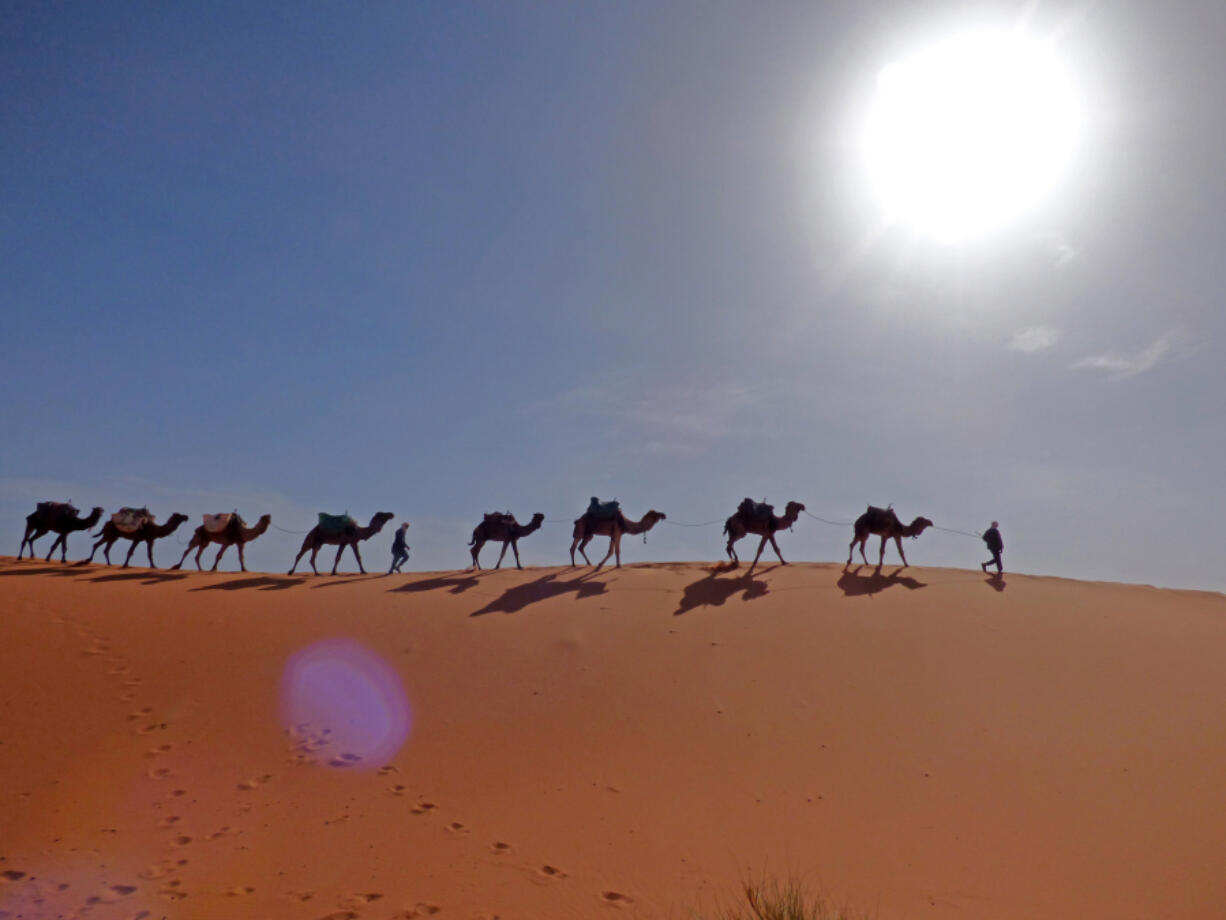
(64, 569)
(347, 578)
(714, 592)
(263, 583)
(853, 584)
(145, 578)
(996, 581)
(455, 584)
(516, 598)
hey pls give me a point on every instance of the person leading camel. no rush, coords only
(400, 549)
(996, 546)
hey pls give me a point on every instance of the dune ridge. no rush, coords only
(915, 742)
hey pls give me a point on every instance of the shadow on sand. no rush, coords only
(713, 592)
(854, 584)
(516, 598)
(68, 569)
(262, 582)
(456, 584)
(997, 582)
(348, 578)
(145, 578)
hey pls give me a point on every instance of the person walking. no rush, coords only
(400, 549)
(996, 546)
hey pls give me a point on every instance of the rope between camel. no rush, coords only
(297, 533)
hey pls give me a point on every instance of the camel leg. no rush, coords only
(25, 538)
(775, 547)
(614, 548)
(515, 550)
(221, 552)
(881, 556)
(359, 558)
(573, 544)
(475, 551)
(898, 543)
(128, 558)
(242, 561)
(314, 553)
(340, 549)
(62, 542)
(199, 554)
(729, 548)
(149, 550)
(583, 543)
(179, 564)
(91, 553)
(505, 544)
(757, 555)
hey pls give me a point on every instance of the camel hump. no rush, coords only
(876, 517)
(130, 520)
(216, 523)
(604, 510)
(55, 508)
(336, 523)
(500, 517)
(755, 510)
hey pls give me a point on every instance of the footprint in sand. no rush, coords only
(161, 773)
(385, 770)
(500, 848)
(423, 808)
(238, 892)
(344, 760)
(254, 783)
(615, 898)
(12, 875)
(455, 827)
(398, 789)
(548, 873)
(173, 890)
(157, 751)
(169, 822)
(360, 900)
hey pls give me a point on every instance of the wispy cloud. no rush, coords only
(666, 419)
(1035, 338)
(1129, 364)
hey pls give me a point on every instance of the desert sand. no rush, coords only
(553, 743)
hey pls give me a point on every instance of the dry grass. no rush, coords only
(788, 900)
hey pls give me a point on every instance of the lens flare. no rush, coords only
(349, 699)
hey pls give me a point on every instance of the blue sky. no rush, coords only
(439, 259)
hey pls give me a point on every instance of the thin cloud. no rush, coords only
(1036, 338)
(1129, 364)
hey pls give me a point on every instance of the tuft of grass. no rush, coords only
(787, 900)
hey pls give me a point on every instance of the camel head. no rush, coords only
(380, 519)
(653, 517)
(538, 518)
(794, 508)
(264, 521)
(176, 519)
(93, 518)
(916, 527)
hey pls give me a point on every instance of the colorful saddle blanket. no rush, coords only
(130, 520)
(335, 523)
(604, 510)
(216, 523)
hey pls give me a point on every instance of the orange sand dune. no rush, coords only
(921, 743)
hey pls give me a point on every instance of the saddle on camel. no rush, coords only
(130, 520)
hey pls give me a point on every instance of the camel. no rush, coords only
(884, 523)
(350, 536)
(745, 521)
(502, 527)
(60, 518)
(148, 531)
(235, 532)
(590, 526)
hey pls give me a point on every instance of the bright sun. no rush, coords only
(969, 134)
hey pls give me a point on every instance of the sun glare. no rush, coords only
(969, 134)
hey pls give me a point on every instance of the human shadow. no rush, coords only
(145, 578)
(517, 597)
(713, 591)
(996, 581)
(262, 582)
(853, 584)
(455, 584)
